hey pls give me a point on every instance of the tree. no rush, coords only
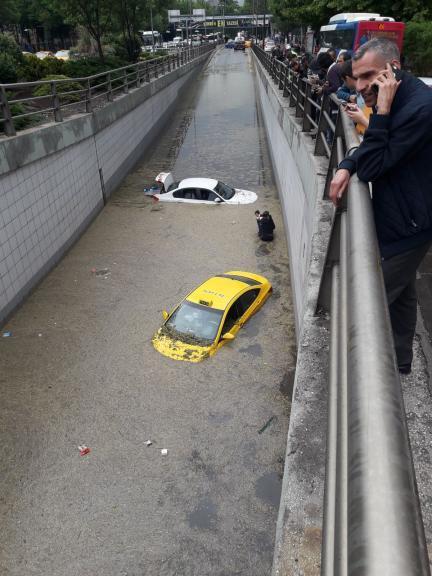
(93, 15)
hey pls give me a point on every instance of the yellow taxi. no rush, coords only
(211, 315)
(248, 43)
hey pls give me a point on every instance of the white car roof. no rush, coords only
(208, 183)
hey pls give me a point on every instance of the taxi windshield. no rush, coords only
(194, 323)
(224, 190)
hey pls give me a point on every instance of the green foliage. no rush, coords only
(10, 58)
(62, 89)
(9, 46)
(7, 69)
(32, 68)
(418, 47)
(90, 66)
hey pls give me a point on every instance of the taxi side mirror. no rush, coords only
(165, 314)
(228, 336)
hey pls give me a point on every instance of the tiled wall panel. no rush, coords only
(47, 203)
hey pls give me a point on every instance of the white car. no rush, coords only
(269, 45)
(200, 190)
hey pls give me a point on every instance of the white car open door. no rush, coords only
(166, 179)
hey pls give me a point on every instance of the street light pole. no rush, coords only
(151, 25)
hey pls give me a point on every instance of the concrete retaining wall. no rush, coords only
(300, 178)
(53, 178)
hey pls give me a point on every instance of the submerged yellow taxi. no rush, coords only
(211, 315)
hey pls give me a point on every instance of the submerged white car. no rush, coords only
(200, 190)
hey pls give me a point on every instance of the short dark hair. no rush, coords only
(324, 60)
(346, 69)
(387, 48)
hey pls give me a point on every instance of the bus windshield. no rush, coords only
(341, 39)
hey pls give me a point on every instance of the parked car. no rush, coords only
(63, 54)
(42, 54)
(269, 45)
(200, 190)
(239, 44)
(211, 315)
(230, 44)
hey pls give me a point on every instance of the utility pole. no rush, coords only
(223, 16)
(151, 25)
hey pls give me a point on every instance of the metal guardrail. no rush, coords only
(100, 87)
(372, 518)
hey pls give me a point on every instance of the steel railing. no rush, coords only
(372, 519)
(86, 92)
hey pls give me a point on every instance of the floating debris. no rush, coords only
(7, 334)
(149, 443)
(83, 450)
(164, 451)
(267, 424)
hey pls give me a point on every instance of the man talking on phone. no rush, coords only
(396, 157)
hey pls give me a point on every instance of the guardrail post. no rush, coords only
(89, 106)
(156, 69)
(169, 64)
(294, 89)
(322, 125)
(125, 82)
(138, 75)
(300, 99)
(307, 109)
(56, 102)
(109, 87)
(9, 128)
(282, 67)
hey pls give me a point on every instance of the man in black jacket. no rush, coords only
(396, 157)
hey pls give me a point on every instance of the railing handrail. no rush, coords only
(124, 77)
(372, 517)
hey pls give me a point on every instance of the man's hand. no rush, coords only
(338, 185)
(387, 87)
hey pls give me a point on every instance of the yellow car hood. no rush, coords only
(179, 350)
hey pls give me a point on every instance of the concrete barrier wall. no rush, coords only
(300, 178)
(300, 181)
(53, 179)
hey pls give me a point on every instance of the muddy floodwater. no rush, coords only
(80, 369)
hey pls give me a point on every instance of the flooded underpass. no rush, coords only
(79, 369)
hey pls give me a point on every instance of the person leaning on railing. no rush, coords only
(395, 156)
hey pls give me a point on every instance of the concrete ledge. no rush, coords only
(300, 178)
(38, 142)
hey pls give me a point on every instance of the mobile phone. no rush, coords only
(397, 75)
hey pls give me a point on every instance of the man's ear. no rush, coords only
(396, 64)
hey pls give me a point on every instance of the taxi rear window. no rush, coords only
(248, 281)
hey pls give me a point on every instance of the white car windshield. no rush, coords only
(194, 324)
(172, 186)
(224, 190)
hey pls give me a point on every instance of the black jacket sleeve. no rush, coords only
(382, 148)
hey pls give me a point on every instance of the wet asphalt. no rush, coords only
(79, 369)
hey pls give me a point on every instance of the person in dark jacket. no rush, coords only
(395, 156)
(266, 227)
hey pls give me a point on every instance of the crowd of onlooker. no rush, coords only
(329, 72)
